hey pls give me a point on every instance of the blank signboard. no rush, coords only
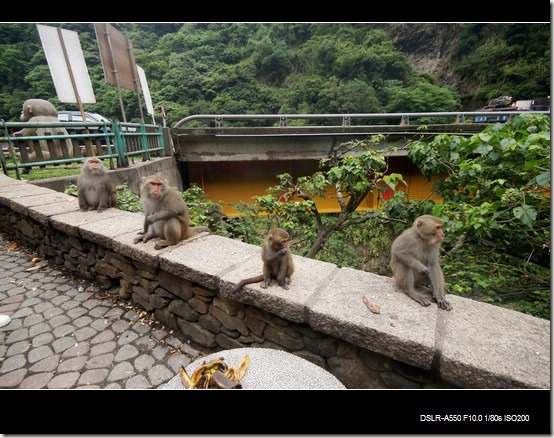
(117, 57)
(54, 40)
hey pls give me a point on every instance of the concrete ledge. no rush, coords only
(6, 181)
(142, 252)
(203, 260)
(403, 330)
(104, 231)
(485, 346)
(13, 195)
(293, 304)
(475, 345)
(71, 223)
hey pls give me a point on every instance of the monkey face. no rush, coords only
(435, 234)
(439, 232)
(94, 165)
(430, 228)
(155, 189)
(278, 239)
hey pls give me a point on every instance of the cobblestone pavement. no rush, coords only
(66, 333)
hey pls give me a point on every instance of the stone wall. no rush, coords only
(322, 318)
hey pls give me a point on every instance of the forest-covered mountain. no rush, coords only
(195, 68)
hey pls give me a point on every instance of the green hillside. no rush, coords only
(294, 67)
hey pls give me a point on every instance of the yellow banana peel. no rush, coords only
(215, 374)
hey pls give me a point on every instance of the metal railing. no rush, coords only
(26, 145)
(368, 119)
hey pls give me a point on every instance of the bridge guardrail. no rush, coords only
(347, 119)
(26, 145)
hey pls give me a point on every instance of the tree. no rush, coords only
(498, 184)
(348, 174)
(422, 97)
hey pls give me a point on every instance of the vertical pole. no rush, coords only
(135, 76)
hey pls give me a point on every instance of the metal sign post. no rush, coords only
(135, 76)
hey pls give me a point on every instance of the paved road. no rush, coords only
(66, 333)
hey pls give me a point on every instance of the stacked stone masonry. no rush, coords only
(321, 318)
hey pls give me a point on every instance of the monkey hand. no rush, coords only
(443, 304)
(283, 251)
(138, 239)
(149, 219)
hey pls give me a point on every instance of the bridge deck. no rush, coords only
(298, 142)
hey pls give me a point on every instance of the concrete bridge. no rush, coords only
(282, 137)
(236, 157)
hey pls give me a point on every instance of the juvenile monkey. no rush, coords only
(165, 214)
(415, 260)
(277, 260)
(95, 188)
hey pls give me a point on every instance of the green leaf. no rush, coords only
(526, 214)
(484, 149)
(543, 179)
(531, 164)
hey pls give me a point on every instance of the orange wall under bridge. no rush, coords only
(230, 182)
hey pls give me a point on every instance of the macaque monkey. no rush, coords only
(415, 260)
(95, 188)
(165, 214)
(277, 261)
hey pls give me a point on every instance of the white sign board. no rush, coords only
(145, 90)
(51, 38)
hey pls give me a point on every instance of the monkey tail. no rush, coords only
(250, 280)
(193, 231)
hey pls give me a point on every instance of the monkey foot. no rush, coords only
(445, 305)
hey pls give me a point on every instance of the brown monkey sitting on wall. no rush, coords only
(415, 260)
(165, 214)
(277, 260)
(95, 188)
